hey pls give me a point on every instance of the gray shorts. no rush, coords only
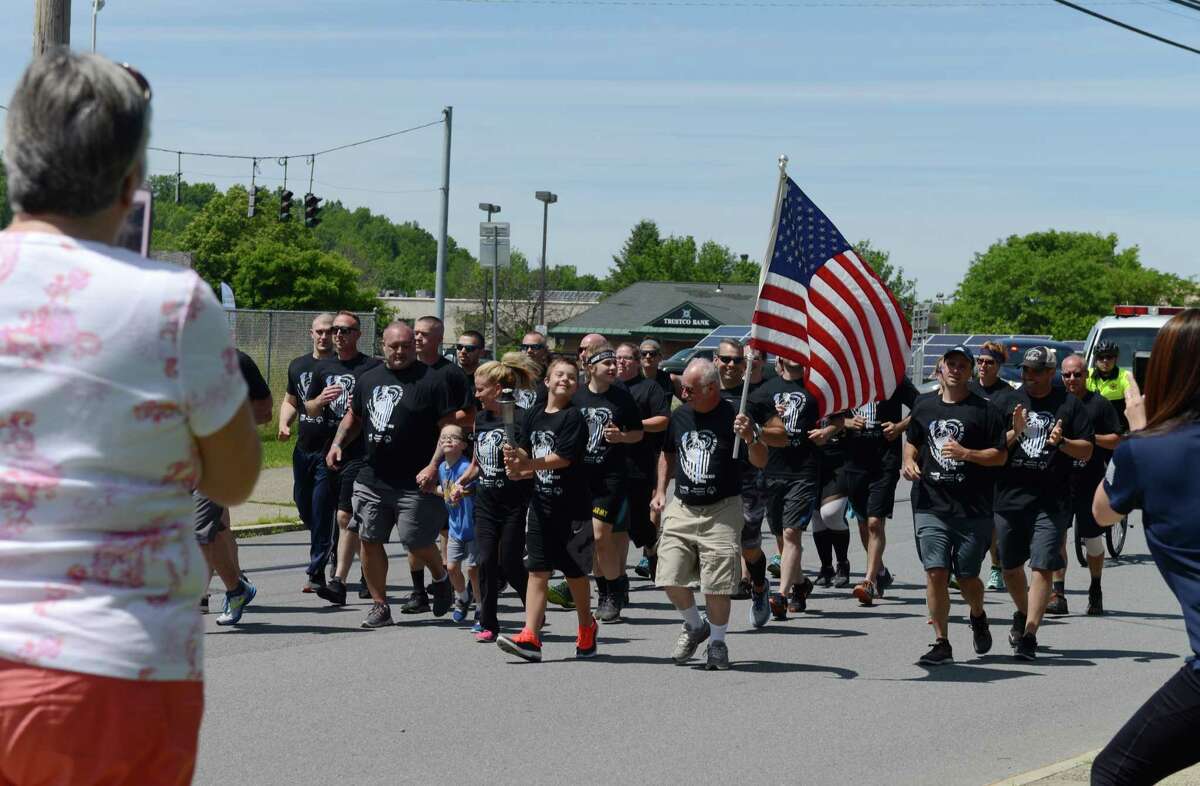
(955, 544)
(464, 552)
(417, 517)
(209, 518)
(1032, 536)
(754, 510)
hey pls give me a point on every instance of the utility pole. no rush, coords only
(51, 24)
(439, 293)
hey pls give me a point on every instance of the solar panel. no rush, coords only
(713, 339)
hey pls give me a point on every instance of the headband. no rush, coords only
(989, 353)
(604, 354)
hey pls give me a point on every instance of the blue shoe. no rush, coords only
(643, 568)
(477, 627)
(461, 608)
(760, 605)
(236, 602)
(773, 566)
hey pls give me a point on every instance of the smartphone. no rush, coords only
(135, 234)
(1141, 361)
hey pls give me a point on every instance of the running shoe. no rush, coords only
(981, 637)
(742, 591)
(334, 592)
(689, 641)
(560, 595)
(314, 582)
(995, 582)
(842, 578)
(779, 606)
(525, 645)
(460, 611)
(1026, 648)
(773, 566)
(443, 596)
(607, 609)
(380, 616)
(621, 594)
(825, 576)
(866, 592)
(953, 582)
(417, 603)
(485, 637)
(643, 568)
(940, 653)
(884, 580)
(1095, 603)
(236, 602)
(585, 640)
(204, 603)
(1057, 607)
(717, 656)
(1017, 630)
(760, 606)
(800, 593)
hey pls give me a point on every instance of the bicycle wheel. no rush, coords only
(1115, 536)
(1079, 555)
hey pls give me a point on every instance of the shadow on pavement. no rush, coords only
(776, 667)
(253, 628)
(864, 613)
(828, 633)
(968, 672)
(1054, 656)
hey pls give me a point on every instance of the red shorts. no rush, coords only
(63, 727)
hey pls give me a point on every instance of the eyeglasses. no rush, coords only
(467, 348)
(452, 438)
(651, 353)
(985, 361)
(690, 389)
(140, 79)
(734, 359)
(1071, 374)
(532, 347)
(340, 329)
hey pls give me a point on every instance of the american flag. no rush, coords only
(821, 306)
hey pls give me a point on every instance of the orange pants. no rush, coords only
(62, 727)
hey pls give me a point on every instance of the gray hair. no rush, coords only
(652, 342)
(77, 125)
(708, 371)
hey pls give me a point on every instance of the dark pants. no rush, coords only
(1158, 740)
(315, 501)
(500, 545)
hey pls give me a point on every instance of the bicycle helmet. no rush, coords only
(1106, 349)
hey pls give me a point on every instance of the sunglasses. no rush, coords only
(690, 389)
(734, 359)
(653, 353)
(1106, 357)
(342, 329)
(467, 348)
(140, 79)
(985, 361)
(532, 347)
(1071, 374)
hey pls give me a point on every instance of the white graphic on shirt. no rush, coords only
(1038, 426)
(543, 445)
(597, 419)
(793, 405)
(698, 447)
(383, 400)
(305, 382)
(867, 413)
(526, 398)
(488, 449)
(340, 404)
(941, 432)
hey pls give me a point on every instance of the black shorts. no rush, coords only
(832, 481)
(558, 545)
(1085, 522)
(208, 520)
(641, 528)
(343, 482)
(790, 502)
(610, 501)
(1031, 536)
(754, 508)
(872, 493)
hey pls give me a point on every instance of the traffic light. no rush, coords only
(311, 209)
(256, 194)
(285, 205)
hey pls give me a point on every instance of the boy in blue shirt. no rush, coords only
(457, 487)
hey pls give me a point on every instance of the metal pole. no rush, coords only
(51, 24)
(95, 12)
(542, 296)
(439, 294)
(178, 174)
(495, 297)
(270, 338)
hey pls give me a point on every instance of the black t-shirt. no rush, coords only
(960, 489)
(561, 494)
(1086, 475)
(989, 392)
(529, 398)
(868, 449)
(614, 406)
(651, 402)
(400, 411)
(344, 373)
(459, 387)
(259, 390)
(734, 396)
(663, 380)
(1037, 475)
(494, 482)
(702, 443)
(799, 416)
(300, 379)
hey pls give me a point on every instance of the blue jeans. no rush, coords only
(315, 501)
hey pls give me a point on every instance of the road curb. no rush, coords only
(258, 530)
(1045, 772)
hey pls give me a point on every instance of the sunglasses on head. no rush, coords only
(532, 347)
(467, 348)
(735, 359)
(141, 80)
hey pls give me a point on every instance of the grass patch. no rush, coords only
(275, 453)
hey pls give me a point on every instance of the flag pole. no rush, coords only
(780, 190)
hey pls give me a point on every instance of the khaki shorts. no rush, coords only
(701, 542)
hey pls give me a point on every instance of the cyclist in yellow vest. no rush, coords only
(1110, 380)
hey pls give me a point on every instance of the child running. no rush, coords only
(559, 534)
(460, 509)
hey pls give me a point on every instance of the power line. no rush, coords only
(240, 178)
(1130, 28)
(298, 155)
(1192, 4)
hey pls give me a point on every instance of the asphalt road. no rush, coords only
(300, 694)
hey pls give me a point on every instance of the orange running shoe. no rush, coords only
(866, 593)
(585, 641)
(525, 645)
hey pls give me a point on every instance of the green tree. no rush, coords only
(6, 215)
(1056, 283)
(905, 289)
(647, 256)
(273, 275)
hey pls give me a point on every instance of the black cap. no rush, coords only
(1039, 359)
(960, 350)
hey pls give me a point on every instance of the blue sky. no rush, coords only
(933, 131)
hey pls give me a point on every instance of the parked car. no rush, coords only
(1016, 347)
(678, 362)
(1133, 329)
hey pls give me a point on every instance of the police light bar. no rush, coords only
(1142, 311)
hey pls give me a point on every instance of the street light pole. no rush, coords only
(490, 208)
(547, 199)
(96, 6)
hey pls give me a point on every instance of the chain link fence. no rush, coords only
(275, 338)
